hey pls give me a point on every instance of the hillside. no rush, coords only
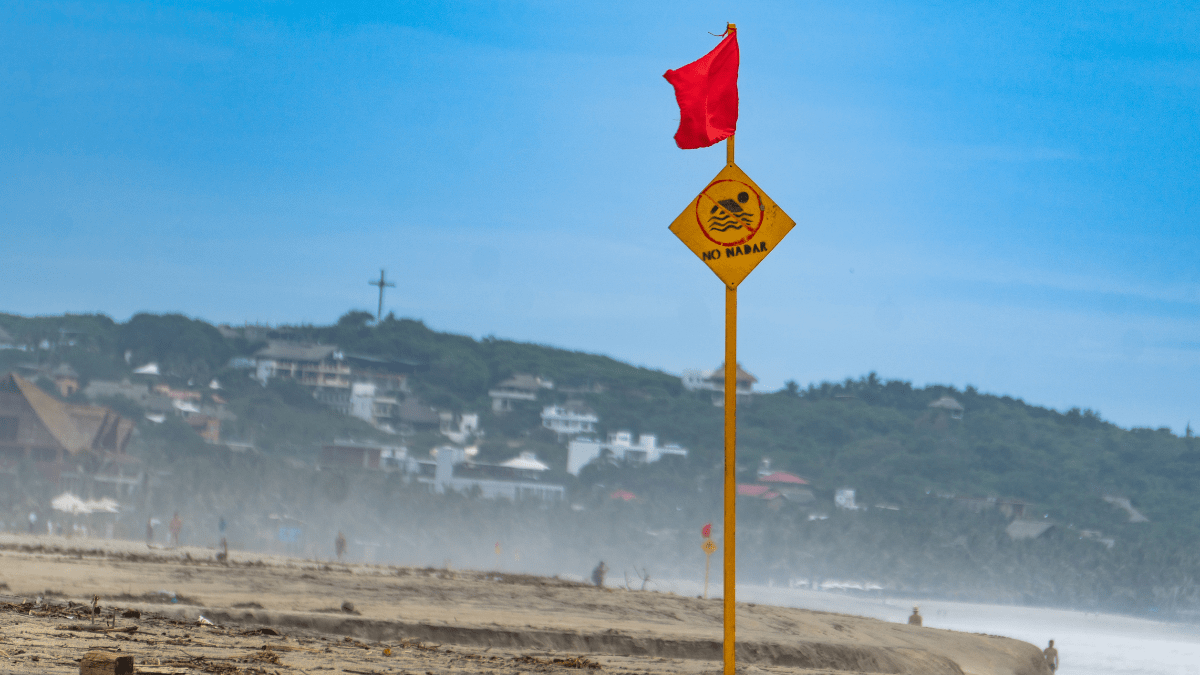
(879, 437)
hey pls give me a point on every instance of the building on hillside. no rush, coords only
(459, 428)
(519, 388)
(413, 416)
(366, 403)
(772, 485)
(843, 498)
(619, 448)
(207, 426)
(744, 386)
(948, 405)
(66, 380)
(371, 456)
(570, 419)
(326, 366)
(518, 479)
(36, 427)
(368, 387)
(714, 381)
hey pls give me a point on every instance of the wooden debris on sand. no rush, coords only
(105, 663)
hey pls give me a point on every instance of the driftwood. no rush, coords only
(96, 629)
(105, 663)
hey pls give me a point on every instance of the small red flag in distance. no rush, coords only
(706, 530)
(707, 93)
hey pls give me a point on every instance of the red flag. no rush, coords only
(707, 93)
(706, 530)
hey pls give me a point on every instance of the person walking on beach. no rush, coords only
(1051, 655)
(149, 531)
(915, 619)
(339, 545)
(176, 526)
(598, 573)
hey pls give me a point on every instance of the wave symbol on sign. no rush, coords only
(728, 214)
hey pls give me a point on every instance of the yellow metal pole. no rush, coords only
(729, 151)
(730, 657)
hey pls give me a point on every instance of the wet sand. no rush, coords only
(431, 620)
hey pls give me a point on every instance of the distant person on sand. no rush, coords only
(176, 526)
(598, 573)
(1051, 655)
(339, 545)
(915, 619)
(149, 531)
(32, 521)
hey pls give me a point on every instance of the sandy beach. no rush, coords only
(278, 614)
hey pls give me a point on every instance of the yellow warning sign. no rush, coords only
(709, 546)
(732, 225)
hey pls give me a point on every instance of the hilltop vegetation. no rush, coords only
(877, 436)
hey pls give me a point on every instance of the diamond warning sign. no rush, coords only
(732, 225)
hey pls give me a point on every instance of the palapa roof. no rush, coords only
(718, 375)
(946, 403)
(760, 491)
(78, 428)
(526, 460)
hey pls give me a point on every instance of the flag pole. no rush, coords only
(730, 553)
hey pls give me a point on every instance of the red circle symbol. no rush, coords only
(729, 212)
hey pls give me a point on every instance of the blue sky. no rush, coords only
(997, 194)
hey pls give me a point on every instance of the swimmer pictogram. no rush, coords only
(729, 212)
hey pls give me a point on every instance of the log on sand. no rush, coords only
(105, 663)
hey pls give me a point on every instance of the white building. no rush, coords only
(459, 428)
(370, 405)
(620, 448)
(843, 498)
(569, 419)
(517, 479)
